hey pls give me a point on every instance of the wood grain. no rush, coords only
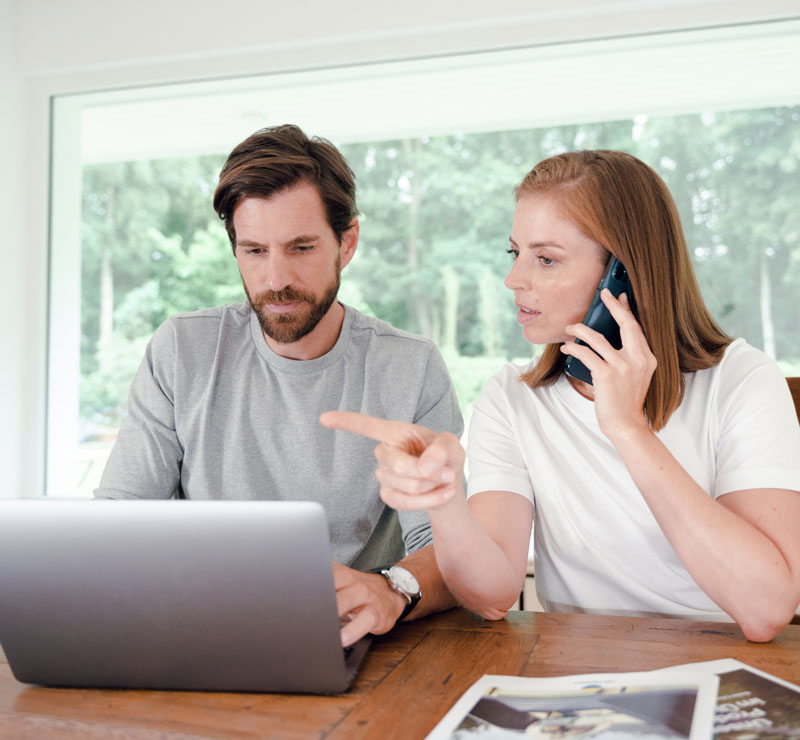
(417, 694)
(409, 680)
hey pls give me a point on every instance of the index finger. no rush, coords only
(618, 308)
(381, 430)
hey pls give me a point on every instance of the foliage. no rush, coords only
(435, 218)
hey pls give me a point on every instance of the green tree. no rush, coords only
(436, 213)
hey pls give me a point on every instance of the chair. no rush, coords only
(794, 388)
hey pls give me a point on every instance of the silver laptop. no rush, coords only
(202, 595)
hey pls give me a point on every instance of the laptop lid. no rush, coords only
(205, 595)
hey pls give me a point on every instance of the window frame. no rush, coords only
(746, 66)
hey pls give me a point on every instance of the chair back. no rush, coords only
(794, 387)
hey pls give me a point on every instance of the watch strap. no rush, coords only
(408, 608)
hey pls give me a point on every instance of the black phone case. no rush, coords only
(598, 317)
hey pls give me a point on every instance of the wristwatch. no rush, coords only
(403, 581)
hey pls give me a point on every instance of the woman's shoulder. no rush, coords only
(743, 364)
(507, 380)
(744, 372)
(507, 392)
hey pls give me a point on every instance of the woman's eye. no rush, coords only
(546, 261)
(513, 252)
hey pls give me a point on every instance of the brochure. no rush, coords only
(609, 706)
(751, 703)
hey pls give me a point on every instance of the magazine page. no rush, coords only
(751, 703)
(608, 706)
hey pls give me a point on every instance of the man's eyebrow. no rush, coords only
(302, 239)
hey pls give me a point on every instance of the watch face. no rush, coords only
(404, 580)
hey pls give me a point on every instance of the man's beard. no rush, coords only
(290, 327)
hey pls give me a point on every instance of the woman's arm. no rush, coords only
(742, 549)
(481, 546)
(482, 549)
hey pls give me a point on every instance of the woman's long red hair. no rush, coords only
(618, 201)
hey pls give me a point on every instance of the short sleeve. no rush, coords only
(145, 461)
(493, 448)
(438, 407)
(758, 433)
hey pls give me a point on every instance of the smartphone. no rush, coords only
(599, 318)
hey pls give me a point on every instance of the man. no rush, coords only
(227, 400)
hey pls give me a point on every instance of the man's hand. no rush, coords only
(367, 601)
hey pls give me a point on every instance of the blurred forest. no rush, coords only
(435, 218)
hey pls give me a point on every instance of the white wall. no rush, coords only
(81, 35)
(50, 47)
(13, 262)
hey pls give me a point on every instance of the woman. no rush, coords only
(670, 485)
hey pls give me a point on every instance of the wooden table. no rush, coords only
(408, 682)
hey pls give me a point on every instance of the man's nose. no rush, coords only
(279, 271)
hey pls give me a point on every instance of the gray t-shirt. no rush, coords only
(214, 413)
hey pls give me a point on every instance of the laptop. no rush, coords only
(198, 595)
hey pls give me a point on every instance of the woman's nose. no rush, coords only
(516, 280)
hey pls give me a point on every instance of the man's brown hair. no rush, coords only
(276, 158)
(618, 201)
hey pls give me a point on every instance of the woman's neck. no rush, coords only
(585, 389)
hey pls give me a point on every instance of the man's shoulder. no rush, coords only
(384, 331)
(200, 328)
(208, 319)
(235, 311)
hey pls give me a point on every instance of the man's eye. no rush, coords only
(304, 247)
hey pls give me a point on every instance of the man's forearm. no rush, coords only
(435, 594)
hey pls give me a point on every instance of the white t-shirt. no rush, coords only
(597, 547)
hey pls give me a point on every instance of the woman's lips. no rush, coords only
(525, 314)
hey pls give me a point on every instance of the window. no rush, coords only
(437, 146)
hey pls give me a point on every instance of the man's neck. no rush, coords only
(319, 341)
